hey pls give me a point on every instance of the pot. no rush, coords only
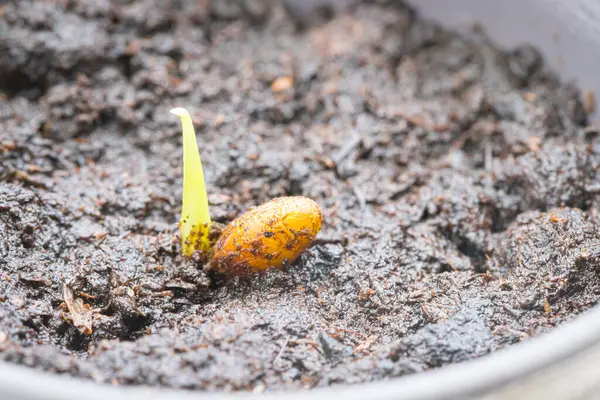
(563, 364)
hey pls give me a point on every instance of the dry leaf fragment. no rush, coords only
(81, 313)
(364, 346)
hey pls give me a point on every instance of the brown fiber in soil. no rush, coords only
(459, 186)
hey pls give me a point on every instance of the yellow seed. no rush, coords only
(271, 235)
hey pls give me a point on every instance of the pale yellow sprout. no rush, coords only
(195, 222)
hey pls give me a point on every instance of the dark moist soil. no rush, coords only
(459, 184)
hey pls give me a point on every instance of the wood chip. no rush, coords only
(282, 83)
(589, 101)
(547, 307)
(534, 143)
(34, 280)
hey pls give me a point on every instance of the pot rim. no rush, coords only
(457, 380)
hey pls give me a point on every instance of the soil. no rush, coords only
(459, 184)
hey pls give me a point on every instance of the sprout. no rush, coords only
(195, 222)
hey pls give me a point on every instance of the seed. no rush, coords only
(271, 235)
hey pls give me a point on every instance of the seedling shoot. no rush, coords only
(195, 222)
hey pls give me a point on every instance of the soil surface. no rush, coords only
(459, 184)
